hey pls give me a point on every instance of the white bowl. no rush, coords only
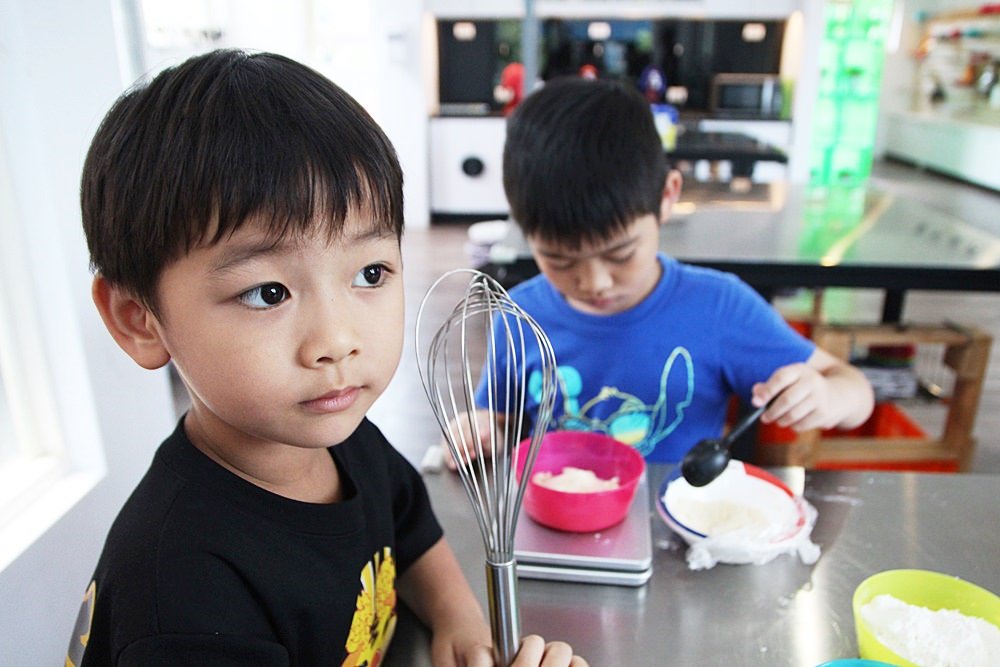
(746, 515)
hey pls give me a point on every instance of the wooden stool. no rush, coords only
(967, 351)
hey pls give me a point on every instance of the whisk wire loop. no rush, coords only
(487, 330)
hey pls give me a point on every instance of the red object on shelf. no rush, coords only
(804, 327)
(887, 421)
(893, 466)
(512, 83)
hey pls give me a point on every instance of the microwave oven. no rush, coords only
(747, 95)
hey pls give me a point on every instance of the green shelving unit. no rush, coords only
(843, 130)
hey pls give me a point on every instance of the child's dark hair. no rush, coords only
(217, 140)
(582, 160)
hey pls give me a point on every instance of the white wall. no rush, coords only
(806, 87)
(403, 103)
(900, 68)
(58, 75)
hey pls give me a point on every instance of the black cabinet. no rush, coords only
(472, 53)
(692, 52)
(467, 61)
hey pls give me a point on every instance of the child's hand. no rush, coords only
(459, 430)
(804, 400)
(824, 392)
(534, 652)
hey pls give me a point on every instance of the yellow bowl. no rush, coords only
(923, 588)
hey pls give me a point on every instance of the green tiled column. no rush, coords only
(843, 129)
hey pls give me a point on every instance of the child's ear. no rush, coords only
(671, 193)
(130, 323)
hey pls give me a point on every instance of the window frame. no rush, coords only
(57, 458)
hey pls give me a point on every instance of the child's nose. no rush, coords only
(594, 277)
(331, 335)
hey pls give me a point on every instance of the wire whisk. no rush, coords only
(484, 343)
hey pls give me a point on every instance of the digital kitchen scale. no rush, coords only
(621, 555)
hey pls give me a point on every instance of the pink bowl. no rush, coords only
(581, 512)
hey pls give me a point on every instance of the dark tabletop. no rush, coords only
(780, 236)
(698, 145)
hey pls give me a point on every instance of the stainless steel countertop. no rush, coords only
(781, 613)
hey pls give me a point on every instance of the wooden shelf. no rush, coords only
(961, 15)
(967, 351)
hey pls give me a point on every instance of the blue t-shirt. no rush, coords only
(658, 376)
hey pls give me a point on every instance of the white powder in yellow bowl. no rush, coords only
(575, 480)
(942, 638)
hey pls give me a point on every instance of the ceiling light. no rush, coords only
(754, 32)
(598, 31)
(464, 31)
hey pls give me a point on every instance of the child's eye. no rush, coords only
(372, 275)
(560, 264)
(264, 296)
(621, 258)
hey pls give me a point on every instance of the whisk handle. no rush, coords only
(505, 617)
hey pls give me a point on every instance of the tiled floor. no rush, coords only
(404, 415)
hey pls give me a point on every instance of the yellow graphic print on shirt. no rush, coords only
(81, 629)
(375, 616)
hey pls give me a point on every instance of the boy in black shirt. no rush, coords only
(244, 218)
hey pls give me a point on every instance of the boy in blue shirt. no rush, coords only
(244, 218)
(649, 350)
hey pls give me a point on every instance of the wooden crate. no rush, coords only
(966, 352)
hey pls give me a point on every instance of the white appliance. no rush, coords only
(466, 167)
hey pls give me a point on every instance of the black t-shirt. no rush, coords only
(202, 567)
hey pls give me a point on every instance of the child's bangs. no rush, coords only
(286, 148)
(585, 227)
(574, 213)
(311, 199)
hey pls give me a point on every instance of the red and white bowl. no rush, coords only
(746, 515)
